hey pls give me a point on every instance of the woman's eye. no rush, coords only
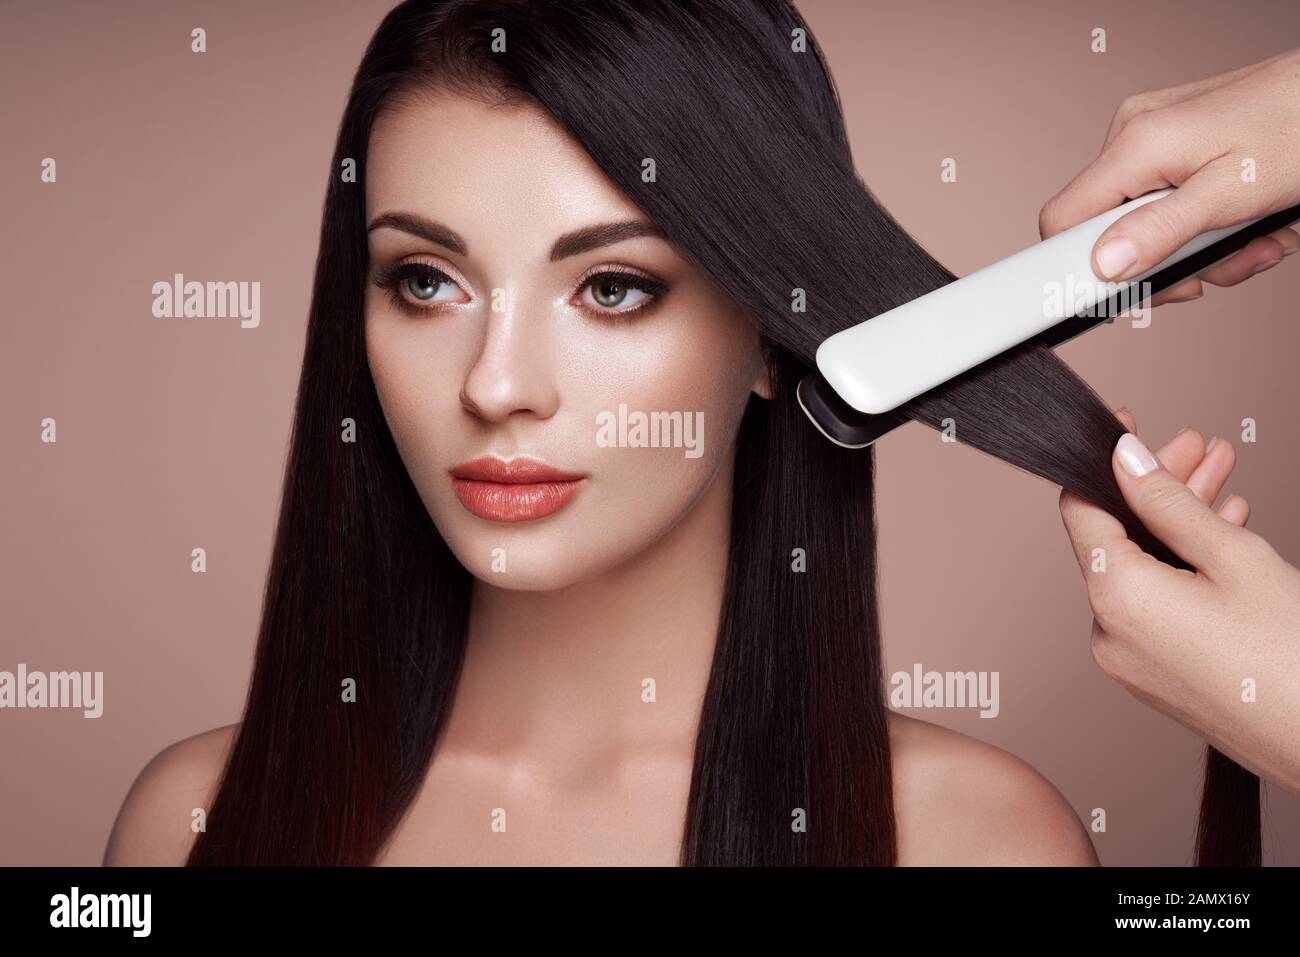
(417, 285)
(425, 288)
(620, 292)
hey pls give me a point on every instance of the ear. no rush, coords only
(763, 381)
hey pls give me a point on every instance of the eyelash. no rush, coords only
(391, 279)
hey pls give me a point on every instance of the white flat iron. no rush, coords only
(1047, 292)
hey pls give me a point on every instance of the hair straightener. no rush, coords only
(1047, 293)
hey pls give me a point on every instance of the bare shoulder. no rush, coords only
(961, 801)
(154, 825)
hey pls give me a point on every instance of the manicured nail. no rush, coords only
(1193, 296)
(1116, 255)
(1210, 444)
(1134, 456)
(1267, 265)
(1293, 249)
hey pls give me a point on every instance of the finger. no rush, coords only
(1256, 256)
(1090, 528)
(1154, 150)
(1185, 291)
(1143, 238)
(1183, 453)
(1289, 238)
(1213, 471)
(1235, 509)
(1111, 179)
(1171, 511)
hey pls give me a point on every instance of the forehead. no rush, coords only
(478, 166)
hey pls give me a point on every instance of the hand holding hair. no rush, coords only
(1217, 649)
(1230, 143)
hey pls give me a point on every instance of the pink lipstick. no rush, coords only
(516, 490)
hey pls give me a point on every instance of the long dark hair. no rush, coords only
(754, 180)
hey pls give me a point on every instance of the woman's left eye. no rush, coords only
(619, 292)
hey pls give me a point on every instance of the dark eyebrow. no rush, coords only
(570, 244)
(593, 237)
(424, 228)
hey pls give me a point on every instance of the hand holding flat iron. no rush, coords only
(1230, 143)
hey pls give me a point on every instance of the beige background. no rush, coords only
(172, 433)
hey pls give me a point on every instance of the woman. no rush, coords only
(499, 631)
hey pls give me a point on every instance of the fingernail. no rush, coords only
(1195, 295)
(1134, 456)
(1268, 265)
(1116, 255)
(1293, 249)
(1210, 444)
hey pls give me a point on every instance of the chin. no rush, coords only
(530, 557)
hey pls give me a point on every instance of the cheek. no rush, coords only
(700, 362)
(416, 381)
(701, 369)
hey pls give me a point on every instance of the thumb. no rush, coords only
(1142, 239)
(1172, 511)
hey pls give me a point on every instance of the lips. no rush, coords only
(521, 489)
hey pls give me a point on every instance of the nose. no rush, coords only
(512, 372)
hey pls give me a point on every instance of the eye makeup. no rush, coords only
(610, 282)
(414, 286)
(419, 288)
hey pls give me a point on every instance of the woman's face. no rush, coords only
(522, 312)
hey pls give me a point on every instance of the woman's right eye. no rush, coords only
(417, 286)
